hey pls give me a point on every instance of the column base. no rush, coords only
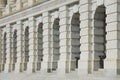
(44, 67)
(63, 67)
(30, 67)
(83, 67)
(7, 68)
(17, 67)
(112, 67)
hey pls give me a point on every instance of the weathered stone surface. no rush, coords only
(51, 36)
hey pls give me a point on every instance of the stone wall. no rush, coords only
(60, 37)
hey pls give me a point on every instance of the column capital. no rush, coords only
(31, 22)
(19, 22)
(31, 18)
(63, 8)
(8, 25)
(45, 14)
(46, 17)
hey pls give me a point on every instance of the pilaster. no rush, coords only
(20, 35)
(112, 61)
(50, 63)
(84, 66)
(3, 61)
(9, 46)
(32, 44)
(63, 63)
(45, 65)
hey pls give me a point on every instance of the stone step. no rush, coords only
(51, 76)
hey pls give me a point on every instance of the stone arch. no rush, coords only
(26, 54)
(56, 45)
(75, 41)
(4, 51)
(99, 37)
(40, 46)
(14, 55)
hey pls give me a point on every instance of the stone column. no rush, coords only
(63, 63)
(32, 44)
(18, 67)
(9, 46)
(45, 65)
(50, 46)
(84, 66)
(112, 61)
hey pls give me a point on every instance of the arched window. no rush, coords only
(4, 51)
(26, 54)
(14, 49)
(40, 46)
(56, 46)
(75, 41)
(99, 37)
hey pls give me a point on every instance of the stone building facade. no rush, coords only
(59, 39)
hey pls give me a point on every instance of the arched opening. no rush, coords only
(55, 44)
(14, 56)
(99, 37)
(26, 54)
(75, 41)
(4, 51)
(40, 46)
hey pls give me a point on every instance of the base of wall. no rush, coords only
(73, 75)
